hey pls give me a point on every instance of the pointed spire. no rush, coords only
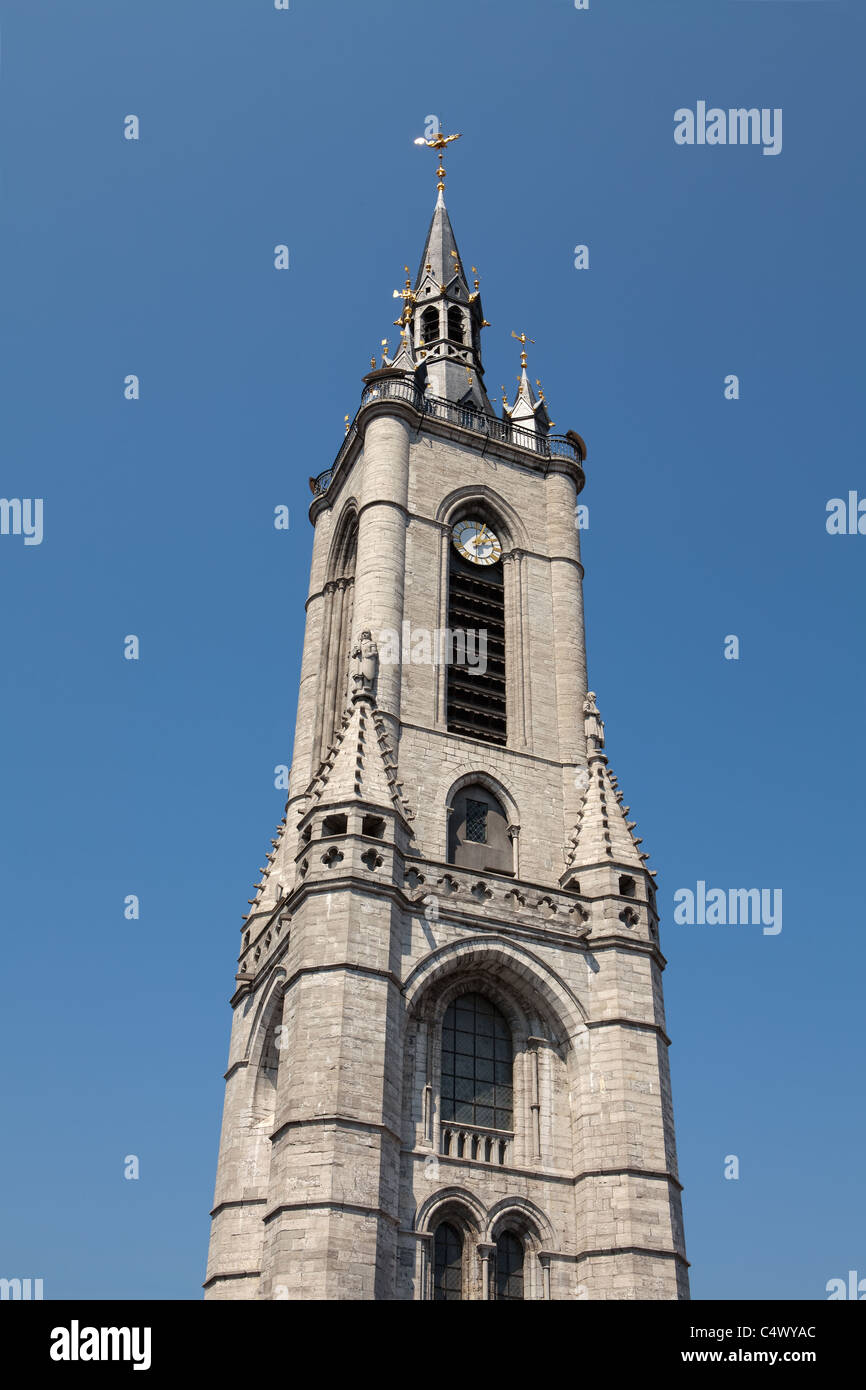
(441, 318)
(440, 261)
(602, 833)
(528, 411)
(360, 764)
(447, 318)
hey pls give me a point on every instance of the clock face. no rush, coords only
(476, 542)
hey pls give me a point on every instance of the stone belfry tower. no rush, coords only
(448, 1075)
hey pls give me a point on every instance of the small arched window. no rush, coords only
(509, 1268)
(478, 832)
(430, 324)
(455, 325)
(447, 1264)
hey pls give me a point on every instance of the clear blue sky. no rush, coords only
(707, 518)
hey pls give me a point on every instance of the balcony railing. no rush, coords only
(464, 416)
(475, 1144)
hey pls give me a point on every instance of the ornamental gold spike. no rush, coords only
(407, 295)
(440, 143)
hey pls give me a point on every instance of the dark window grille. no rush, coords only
(476, 821)
(476, 605)
(447, 1265)
(455, 325)
(477, 1061)
(509, 1268)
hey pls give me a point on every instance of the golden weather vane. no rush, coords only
(523, 340)
(407, 294)
(439, 142)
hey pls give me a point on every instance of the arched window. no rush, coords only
(430, 324)
(447, 1264)
(478, 835)
(475, 690)
(477, 1078)
(455, 324)
(508, 1283)
(336, 633)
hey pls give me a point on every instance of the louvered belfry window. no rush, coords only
(476, 605)
(430, 324)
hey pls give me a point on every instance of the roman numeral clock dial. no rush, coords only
(475, 541)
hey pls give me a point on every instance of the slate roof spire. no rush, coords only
(442, 317)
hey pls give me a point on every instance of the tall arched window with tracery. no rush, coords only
(476, 1081)
(337, 632)
(508, 1276)
(447, 1264)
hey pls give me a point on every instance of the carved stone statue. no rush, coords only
(366, 658)
(593, 724)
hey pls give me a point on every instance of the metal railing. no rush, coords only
(464, 416)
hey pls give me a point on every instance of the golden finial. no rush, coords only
(407, 295)
(439, 142)
(345, 417)
(522, 338)
(372, 361)
(540, 391)
(475, 295)
(504, 396)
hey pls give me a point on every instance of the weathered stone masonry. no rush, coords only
(339, 1169)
